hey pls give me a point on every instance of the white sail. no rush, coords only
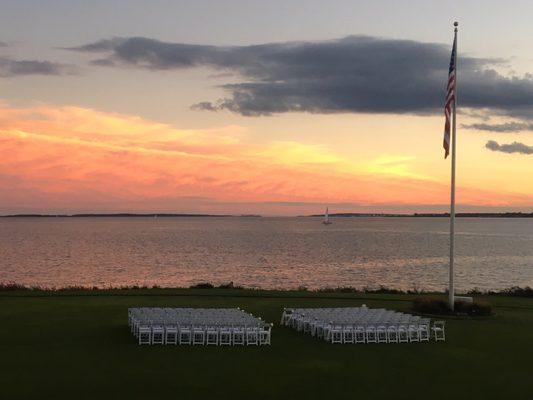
(326, 217)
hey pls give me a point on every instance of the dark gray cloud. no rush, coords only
(505, 127)
(103, 62)
(204, 105)
(3, 44)
(9, 68)
(514, 147)
(352, 74)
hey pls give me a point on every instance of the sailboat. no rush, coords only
(326, 218)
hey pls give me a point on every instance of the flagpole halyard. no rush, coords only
(451, 289)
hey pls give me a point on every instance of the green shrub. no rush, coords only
(12, 286)
(479, 308)
(518, 291)
(431, 305)
(229, 285)
(439, 306)
(203, 285)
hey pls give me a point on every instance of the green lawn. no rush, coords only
(77, 345)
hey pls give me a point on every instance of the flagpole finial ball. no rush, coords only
(456, 23)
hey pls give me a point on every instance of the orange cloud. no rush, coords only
(72, 158)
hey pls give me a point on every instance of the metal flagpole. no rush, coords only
(452, 203)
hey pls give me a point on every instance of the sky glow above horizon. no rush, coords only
(107, 108)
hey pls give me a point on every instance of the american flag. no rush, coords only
(450, 99)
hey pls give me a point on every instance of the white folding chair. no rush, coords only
(252, 336)
(238, 336)
(381, 334)
(336, 334)
(414, 333)
(285, 317)
(158, 334)
(265, 334)
(212, 336)
(185, 335)
(371, 334)
(438, 330)
(326, 332)
(145, 334)
(403, 334)
(347, 334)
(360, 334)
(171, 334)
(224, 336)
(198, 335)
(392, 334)
(423, 329)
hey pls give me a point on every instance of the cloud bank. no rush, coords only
(10, 68)
(507, 127)
(352, 74)
(514, 147)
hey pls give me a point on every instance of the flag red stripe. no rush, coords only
(449, 101)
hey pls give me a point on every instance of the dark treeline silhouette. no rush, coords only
(435, 215)
(154, 215)
(163, 215)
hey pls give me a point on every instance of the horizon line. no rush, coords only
(508, 214)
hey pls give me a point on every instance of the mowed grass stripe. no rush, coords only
(72, 346)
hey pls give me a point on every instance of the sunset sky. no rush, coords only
(277, 108)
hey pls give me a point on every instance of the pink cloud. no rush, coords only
(71, 158)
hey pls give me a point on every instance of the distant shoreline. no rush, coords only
(127, 215)
(339, 215)
(433, 215)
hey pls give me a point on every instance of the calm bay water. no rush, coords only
(403, 253)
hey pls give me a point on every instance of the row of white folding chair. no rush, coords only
(377, 319)
(138, 323)
(337, 311)
(373, 333)
(191, 317)
(205, 335)
(190, 312)
(345, 313)
(198, 321)
(307, 324)
(376, 334)
(156, 316)
(316, 328)
(299, 316)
